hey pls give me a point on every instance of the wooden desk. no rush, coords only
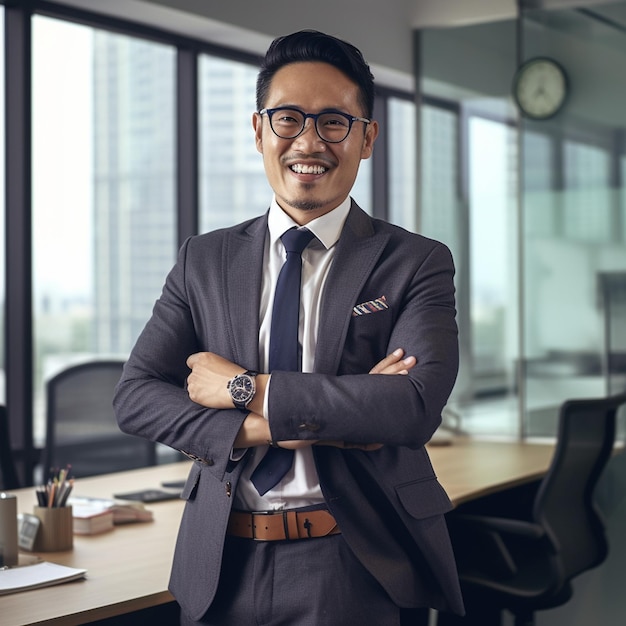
(470, 469)
(128, 568)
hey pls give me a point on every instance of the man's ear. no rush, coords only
(257, 124)
(368, 141)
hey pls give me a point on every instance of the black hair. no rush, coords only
(312, 45)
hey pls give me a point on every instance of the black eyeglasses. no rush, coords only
(331, 126)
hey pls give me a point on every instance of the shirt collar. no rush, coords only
(327, 228)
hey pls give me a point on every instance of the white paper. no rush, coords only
(39, 575)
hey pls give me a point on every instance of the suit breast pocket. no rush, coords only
(367, 341)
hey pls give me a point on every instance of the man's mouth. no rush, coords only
(300, 168)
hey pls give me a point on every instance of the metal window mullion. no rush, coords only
(18, 214)
(380, 163)
(187, 184)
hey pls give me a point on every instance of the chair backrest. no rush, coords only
(565, 504)
(81, 429)
(8, 472)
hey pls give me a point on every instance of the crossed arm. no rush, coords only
(207, 386)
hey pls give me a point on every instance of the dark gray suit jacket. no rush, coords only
(388, 503)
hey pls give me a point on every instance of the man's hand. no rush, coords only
(394, 364)
(207, 383)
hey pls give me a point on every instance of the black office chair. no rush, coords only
(526, 563)
(8, 471)
(81, 429)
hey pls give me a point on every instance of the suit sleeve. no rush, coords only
(394, 410)
(151, 400)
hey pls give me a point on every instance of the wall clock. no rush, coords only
(540, 88)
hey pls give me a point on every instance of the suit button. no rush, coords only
(194, 457)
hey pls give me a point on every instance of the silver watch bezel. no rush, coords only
(242, 394)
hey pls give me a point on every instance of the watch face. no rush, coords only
(540, 88)
(242, 388)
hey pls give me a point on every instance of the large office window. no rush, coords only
(443, 214)
(493, 252)
(439, 191)
(402, 163)
(106, 208)
(233, 186)
(362, 189)
(103, 191)
(473, 210)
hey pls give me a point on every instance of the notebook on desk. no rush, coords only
(34, 576)
(148, 495)
(122, 511)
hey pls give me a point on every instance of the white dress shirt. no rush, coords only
(300, 487)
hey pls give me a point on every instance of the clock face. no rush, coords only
(242, 388)
(540, 88)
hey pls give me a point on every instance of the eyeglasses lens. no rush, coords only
(331, 127)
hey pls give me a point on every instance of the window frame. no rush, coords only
(19, 332)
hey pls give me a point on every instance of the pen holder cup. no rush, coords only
(55, 532)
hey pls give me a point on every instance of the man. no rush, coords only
(354, 532)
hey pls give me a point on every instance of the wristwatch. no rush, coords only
(242, 389)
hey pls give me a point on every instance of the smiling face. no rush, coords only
(311, 177)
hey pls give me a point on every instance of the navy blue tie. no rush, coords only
(284, 347)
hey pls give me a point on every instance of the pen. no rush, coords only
(56, 491)
(51, 492)
(65, 492)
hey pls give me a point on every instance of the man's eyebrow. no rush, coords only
(329, 109)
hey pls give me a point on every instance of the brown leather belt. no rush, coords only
(282, 525)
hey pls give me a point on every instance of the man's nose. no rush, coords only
(309, 133)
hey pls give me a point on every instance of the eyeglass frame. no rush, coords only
(314, 116)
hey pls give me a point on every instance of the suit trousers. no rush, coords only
(309, 582)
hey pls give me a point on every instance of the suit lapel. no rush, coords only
(242, 277)
(358, 250)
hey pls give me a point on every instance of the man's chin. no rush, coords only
(303, 204)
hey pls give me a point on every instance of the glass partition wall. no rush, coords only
(533, 210)
(468, 198)
(573, 220)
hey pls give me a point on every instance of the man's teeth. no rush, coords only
(298, 168)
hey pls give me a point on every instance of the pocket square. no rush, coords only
(371, 306)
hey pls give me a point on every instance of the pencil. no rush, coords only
(51, 495)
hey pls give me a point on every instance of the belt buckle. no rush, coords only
(253, 514)
(284, 513)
